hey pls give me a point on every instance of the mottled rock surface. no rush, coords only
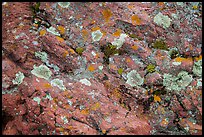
(102, 68)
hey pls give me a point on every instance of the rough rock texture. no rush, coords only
(67, 68)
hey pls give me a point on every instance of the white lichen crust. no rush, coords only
(96, 35)
(19, 78)
(85, 82)
(119, 42)
(134, 78)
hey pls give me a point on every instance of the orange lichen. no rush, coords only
(95, 28)
(157, 98)
(103, 131)
(161, 5)
(96, 106)
(117, 33)
(92, 22)
(107, 14)
(61, 29)
(130, 6)
(65, 53)
(198, 58)
(47, 85)
(128, 60)
(42, 32)
(164, 122)
(135, 20)
(72, 51)
(91, 68)
(180, 59)
(60, 39)
(116, 93)
(61, 129)
(113, 67)
(85, 34)
(85, 111)
(134, 47)
(97, 55)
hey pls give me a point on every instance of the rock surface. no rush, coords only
(65, 67)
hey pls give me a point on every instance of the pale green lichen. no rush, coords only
(37, 99)
(199, 83)
(19, 78)
(64, 4)
(162, 20)
(177, 83)
(134, 78)
(42, 72)
(42, 55)
(58, 83)
(197, 68)
(85, 82)
(53, 31)
(96, 35)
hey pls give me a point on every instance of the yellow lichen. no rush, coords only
(96, 106)
(157, 98)
(195, 7)
(107, 14)
(135, 20)
(42, 32)
(61, 29)
(91, 68)
(120, 71)
(117, 33)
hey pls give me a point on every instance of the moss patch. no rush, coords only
(160, 44)
(79, 50)
(151, 68)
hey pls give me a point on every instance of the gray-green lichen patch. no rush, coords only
(19, 78)
(162, 20)
(197, 68)
(42, 55)
(134, 78)
(58, 83)
(42, 72)
(177, 83)
(11, 91)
